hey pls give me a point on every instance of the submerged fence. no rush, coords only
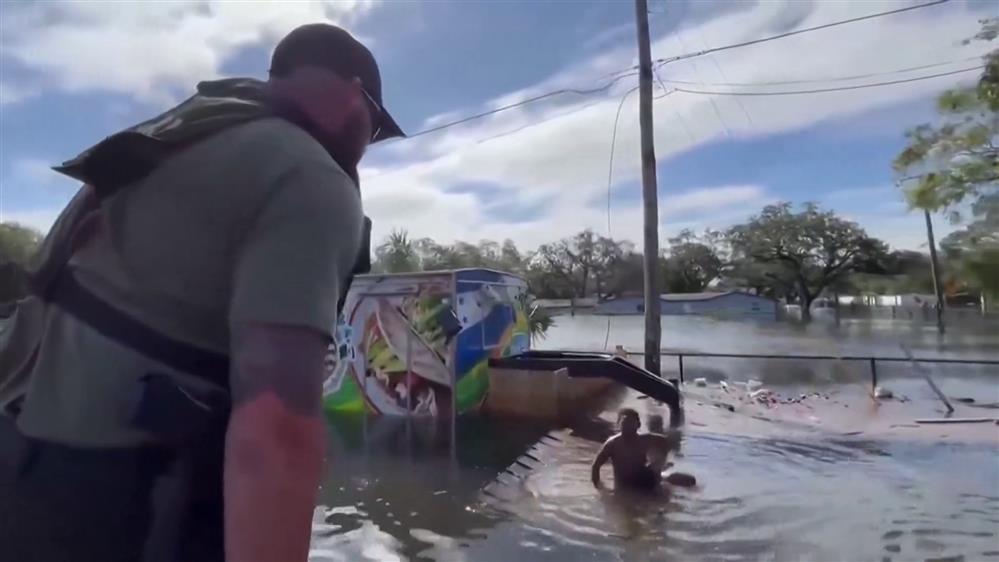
(871, 360)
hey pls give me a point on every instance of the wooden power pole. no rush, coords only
(649, 192)
(935, 271)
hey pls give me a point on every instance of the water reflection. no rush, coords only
(511, 491)
(406, 494)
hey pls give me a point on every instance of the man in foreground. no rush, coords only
(630, 454)
(190, 291)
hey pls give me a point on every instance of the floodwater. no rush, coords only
(514, 491)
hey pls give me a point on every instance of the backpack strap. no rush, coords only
(54, 281)
(112, 323)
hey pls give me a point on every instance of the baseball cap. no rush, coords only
(328, 46)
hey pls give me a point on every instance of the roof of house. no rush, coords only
(684, 297)
(688, 297)
(565, 303)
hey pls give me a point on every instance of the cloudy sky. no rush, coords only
(73, 73)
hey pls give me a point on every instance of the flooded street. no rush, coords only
(399, 491)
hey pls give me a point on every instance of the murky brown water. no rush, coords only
(407, 497)
(399, 490)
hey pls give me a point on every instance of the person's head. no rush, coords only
(323, 74)
(628, 421)
(656, 423)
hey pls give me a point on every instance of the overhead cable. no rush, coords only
(824, 90)
(631, 71)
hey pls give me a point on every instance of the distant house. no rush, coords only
(731, 304)
(556, 306)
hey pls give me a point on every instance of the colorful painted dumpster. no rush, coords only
(419, 344)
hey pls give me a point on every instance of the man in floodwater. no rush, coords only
(638, 459)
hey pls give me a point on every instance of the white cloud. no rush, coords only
(13, 93)
(553, 153)
(530, 152)
(148, 49)
(711, 198)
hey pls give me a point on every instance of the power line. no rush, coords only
(631, 71)
(610, 164)
(738, 101)
(539, 97)
(668, 60)
(714, 105)
(833, 89)
(822, 80)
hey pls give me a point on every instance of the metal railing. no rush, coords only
(872, 360)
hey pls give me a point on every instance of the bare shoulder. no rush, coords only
(612, 441)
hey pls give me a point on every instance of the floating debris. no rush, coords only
(883, 393)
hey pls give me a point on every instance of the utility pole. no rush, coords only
(935, 271)
(650, 198)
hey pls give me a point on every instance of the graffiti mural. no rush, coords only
(419, 344)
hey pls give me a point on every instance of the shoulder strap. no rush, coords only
(54, 281)
(112, 323)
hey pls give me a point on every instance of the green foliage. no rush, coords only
(975, 248)
(397, 254)
(798, 255)
(958, 158)
(18, 245)
(782, 252)
(583, 262)
(692, 263)
(539, 321)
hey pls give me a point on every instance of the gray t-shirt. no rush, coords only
(255, 224)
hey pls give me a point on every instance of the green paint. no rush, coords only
(347, 399)
(473, 386)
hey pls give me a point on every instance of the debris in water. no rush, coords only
(958, 420)
(701, 381)
(439, 492)
(965, 400)
(883, 393)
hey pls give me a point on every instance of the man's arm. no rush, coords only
(602, 456)
(275, 443)
(292, 262)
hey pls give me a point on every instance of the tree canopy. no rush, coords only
(957, 159)
(781, 252)
(975, 248)
(803, 253)
(18, 244)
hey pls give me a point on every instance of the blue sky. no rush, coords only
(72, 73)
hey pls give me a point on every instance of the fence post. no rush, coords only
(679, 357)
(874, 373)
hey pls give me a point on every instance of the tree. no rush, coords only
(975, 248)
(510, 258)
(957, 159)
(800, 254)
(692, 263)
(585, 262)
(18, 245)
(397, 254)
